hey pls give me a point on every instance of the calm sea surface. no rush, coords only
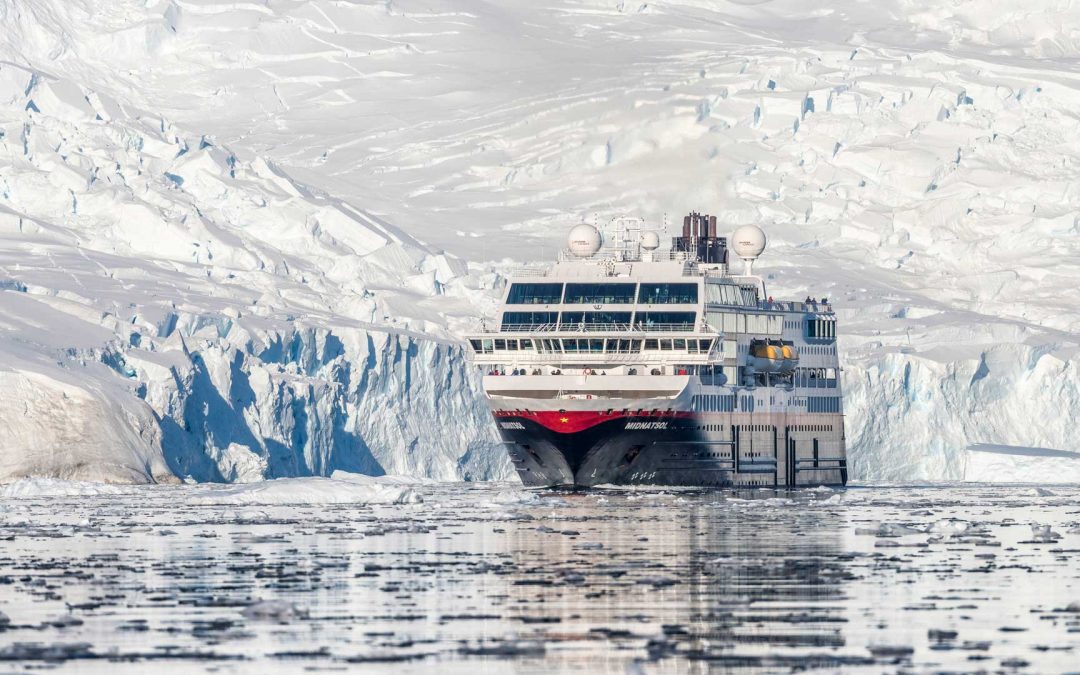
(491, 579)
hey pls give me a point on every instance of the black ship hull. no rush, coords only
(588, 449)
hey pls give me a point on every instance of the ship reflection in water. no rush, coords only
(490, 578)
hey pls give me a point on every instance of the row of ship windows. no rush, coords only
(768, 427)
(726, 403)
(815, 428)
(821, 328)
(647, 293)
(615, 294)
(741, 322)
(822, 404)
(722, 322)
(598, 345)
(714, 402)
(817, 328)
(605, 320)
(815, 378)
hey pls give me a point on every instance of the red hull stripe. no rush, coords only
(573, 421)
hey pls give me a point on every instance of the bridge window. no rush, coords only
(527, 320)
(666, 320)
(724, 294)
(668, 294)
(620, 346)
(571, 345)
(595, 320)
(591, 294)
(535, 294)
(652, 344)
(699, 346)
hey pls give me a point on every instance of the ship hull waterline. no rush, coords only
(564, 449)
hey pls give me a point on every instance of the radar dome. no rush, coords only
(584, 241)
(650, 241)
(748, 242)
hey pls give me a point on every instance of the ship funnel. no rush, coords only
(699, 241)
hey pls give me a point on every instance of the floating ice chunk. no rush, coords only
(1043, 533)
(891, 651)
(657, 582)
(309, 491)
(56, 652)
(276, 611)
(509, 497)
(889, 530)
(989, 463)
(950, 527)
(381, 480)
(252, 516)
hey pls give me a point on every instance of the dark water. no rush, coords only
(489, 578)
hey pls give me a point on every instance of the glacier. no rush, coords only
(238, 241)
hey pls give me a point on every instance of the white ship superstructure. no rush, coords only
(627, 364)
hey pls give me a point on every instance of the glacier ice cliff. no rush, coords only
(172, 312)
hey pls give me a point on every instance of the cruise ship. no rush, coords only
(623, 363)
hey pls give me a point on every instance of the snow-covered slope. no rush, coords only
(169, 310)
(260, 174)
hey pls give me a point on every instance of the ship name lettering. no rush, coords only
(512, 425)
(646, 425)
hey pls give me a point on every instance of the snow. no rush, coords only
(988, 463)
(240, 242)
(35, 488)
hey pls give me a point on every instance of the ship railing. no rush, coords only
(791, 306)
(596, 328)
(527, 272)
(665, 327)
